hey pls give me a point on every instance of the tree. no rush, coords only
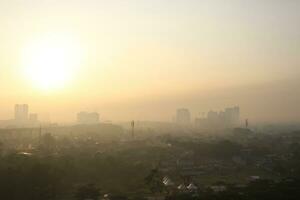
(48, 143)
(154, 181)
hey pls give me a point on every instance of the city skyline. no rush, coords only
(149, 99)
(142, 60)
(23, 116)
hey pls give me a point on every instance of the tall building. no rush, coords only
(228, 118)
(183, 116)
(212, 115)
(21, 113)
(87, 118)
(232, 115)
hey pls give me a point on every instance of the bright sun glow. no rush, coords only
(51, 61)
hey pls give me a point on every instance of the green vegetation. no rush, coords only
(64, 168)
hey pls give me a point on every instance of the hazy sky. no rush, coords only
(144, 58)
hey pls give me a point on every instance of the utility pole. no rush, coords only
(40, 135)
(132, 129)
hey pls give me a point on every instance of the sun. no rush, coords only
(50, 62)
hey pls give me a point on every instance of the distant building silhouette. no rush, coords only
(21, 113)
(183, 116)
(228, 118)
(22, 118)
(87, 118)
(212, 115)
(232, 115)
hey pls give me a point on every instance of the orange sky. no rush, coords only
(142, 59)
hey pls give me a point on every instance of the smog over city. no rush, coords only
(149, 99)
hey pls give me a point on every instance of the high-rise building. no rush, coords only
(87, 118)
(228, 118)
(183, 116)
(212, 115)
(232, 115)
(21, 113)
